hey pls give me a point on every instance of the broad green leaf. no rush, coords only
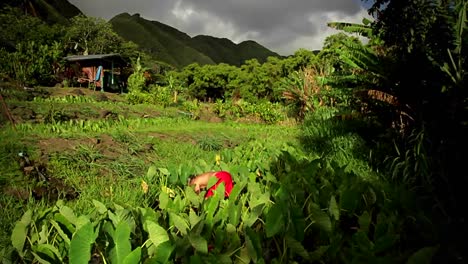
(196, 259)
(50, 251)
(236, 190)
(68, 213)
(40, 259)
(212, 181)
(320, 218)
(66, 226)
(81, 221)
(179, 223)
(349, 199)
(164, 171)
(423, 255)
(157, 234)
(81, 244)
(121, 241)
(333, 209)
(318, 253)
(100, 207)
(382, 244)
(133, 257)
(193, 218)
(244, 256)
(253, 215)
(361, 240)
(264, 198)
(296, 247)
(43, 234)
(199, 243)
(253, 242)
(192, 197)
(235, 214)
(163, 200)
(164, 251)
(60, 232)
(18, 235)
(274, 220)
(364, 221)
(151, 172)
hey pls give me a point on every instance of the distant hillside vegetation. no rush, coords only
(52, 11)
(179, 49)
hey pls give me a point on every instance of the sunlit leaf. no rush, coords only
(18, 235)
(81, 243)
(274, 220)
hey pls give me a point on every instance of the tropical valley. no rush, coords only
(353, 153)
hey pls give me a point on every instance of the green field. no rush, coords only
(108, 179)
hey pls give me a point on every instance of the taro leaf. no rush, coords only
(62, 234)
(81, 243)
(68, 213)
(251, 249)
(364, 221)
(179, 223)
(318, 253)
(66, 226)
(422, 256)
(48, 253)
(244, 256)
(193, 218)
(236, 190)
(384, 243)
(133, 257)
(253, 215)
(122, 245)
(274, 220)
(192, 197)
(252, 240)
(163, 252)
(198, 228)
(296, 247)
(151, 173)
(333, 209)
(212, 181)
(320, 218)
(163, 200)
(173, 173)
(39, 259)
(199, 243)
(350, 199)
(18, 235)
(234, 214)
(157, 234)
(100, 207)
(361, 240)
(262, 199)
(196, 259)
(164, 171)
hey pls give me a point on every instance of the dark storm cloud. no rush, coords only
(280, 25)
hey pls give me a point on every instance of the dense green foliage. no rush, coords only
(372, 173)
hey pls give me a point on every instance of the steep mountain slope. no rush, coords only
(52, 11)
(165, 43)
(177, 48)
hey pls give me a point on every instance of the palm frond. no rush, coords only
(360, 29)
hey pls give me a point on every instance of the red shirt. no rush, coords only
(225, 177)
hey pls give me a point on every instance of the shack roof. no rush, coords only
(110, 56)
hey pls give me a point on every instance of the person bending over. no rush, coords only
(201, 182)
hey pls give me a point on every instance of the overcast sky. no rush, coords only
(283, 26)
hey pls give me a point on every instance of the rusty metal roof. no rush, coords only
(92, 57)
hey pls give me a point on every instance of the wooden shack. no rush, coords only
(100, 71)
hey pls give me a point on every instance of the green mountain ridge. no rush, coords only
(172, 46)
(51, 11)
